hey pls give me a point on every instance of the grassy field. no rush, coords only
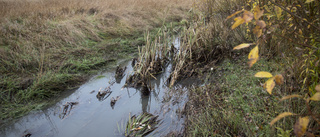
(48, 46)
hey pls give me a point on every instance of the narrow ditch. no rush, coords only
(103, 105)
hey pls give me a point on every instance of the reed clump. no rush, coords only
(152, 60)
(141, 125)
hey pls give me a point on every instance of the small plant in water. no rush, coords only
(141, 125)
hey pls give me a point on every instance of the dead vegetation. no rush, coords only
(153, 58)
(205, 41)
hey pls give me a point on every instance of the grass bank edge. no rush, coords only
(233, 102)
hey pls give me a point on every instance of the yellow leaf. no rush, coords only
(280, 116)
(257, 13)
(252, 61)
(253, 56)
(315, 97)
(290, 96)
(257, 31)
(308, 1)
(247, 16)
(261, 24)
(279, 79)
(254, 53)
(300, 31)
(317, 88)
(234, 14)
(238, 22)
(235, 19)
(278, 12)
(243, 45)
(263, 74)
(301, 125)
(269, 85)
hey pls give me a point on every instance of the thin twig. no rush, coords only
(305, 45)
(295, 15)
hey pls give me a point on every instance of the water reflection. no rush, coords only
(119, 74)
(52, 124)
(145, 103)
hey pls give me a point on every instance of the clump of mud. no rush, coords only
(120, 73)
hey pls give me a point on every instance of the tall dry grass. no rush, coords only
(31, 28)
(29, 8)
(207, 39)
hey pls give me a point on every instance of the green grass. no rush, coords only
(233, 102)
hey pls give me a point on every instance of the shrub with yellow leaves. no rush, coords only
(301, 125)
